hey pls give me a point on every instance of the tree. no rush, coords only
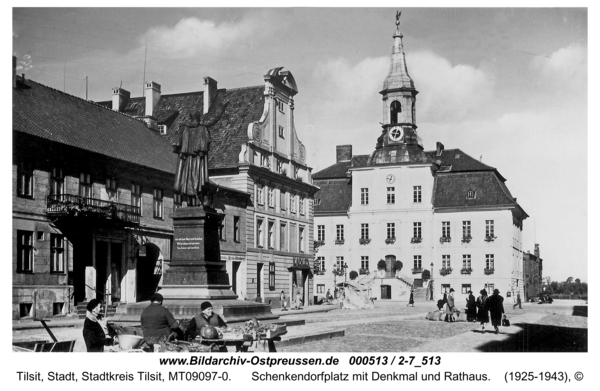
(353, 275)
(381, 265)
(426, 275)
(569, 280)
(398, 265)
(577, 281)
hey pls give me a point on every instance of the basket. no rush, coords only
(127, 342)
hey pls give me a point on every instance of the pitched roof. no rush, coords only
(458, 161)
(339, 170)
(334, 196)
(59, 117)
(450, 190)
(233, 110)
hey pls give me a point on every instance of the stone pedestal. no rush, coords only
(196, 273)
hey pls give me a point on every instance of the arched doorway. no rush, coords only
(389, 263)
(148, 271)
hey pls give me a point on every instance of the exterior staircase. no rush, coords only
(420, 294)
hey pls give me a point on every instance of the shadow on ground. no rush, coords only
(541, 338)
(580, 310)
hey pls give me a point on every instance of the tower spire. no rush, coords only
(398, 76)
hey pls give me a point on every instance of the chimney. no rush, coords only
(119, 98)
(343, 153)
(536, 251)
(14, 77)
(210, 91)
(439, 148)
(152, 92)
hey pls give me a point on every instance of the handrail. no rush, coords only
(70, 203)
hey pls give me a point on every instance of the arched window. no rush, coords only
(395, 110)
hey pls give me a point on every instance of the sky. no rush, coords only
(508, 86)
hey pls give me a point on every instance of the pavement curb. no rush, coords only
(302, 339)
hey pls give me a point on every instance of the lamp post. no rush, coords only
(345, 267)
(431, 281)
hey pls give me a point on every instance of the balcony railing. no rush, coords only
(92, 207)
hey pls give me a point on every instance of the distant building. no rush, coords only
(256, 151)
(438, 210)
(532, 273)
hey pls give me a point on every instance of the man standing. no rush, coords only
(518, 303)
(157, 321)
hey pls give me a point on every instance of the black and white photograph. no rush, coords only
(395, 182)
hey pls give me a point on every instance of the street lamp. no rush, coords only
(431, 281)
(345, 267)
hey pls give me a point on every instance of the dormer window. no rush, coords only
(471, 195)
(162, 129)
(395, 110)
(280, 105)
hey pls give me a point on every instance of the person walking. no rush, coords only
(450, 308)
(411, 299)
(496, 308)
(471, 307)
(482, 309)
(283, 301)
(518, 303)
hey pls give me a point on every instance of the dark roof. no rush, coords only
(333, 196)
(339, 170)
(450, 190)
(233, 110)
(59, 117)
(458, 161)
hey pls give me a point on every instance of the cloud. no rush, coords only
(565, 68)
(25, 63)
(448, 92)
(191, 36)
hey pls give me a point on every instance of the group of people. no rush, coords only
(157, 322)
(485, 309)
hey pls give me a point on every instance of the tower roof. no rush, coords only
(398, 77)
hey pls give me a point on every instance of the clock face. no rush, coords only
(390, 178)
(396, 133)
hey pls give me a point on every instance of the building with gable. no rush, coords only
(255, 151)
(438, 210)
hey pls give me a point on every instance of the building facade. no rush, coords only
(533, 267)
(440, 211)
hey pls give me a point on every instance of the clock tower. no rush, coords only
(399, 141)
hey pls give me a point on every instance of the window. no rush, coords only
(320, 263)
(489, 261)
(280, 105)
(25, 180)
(280, 131)
(490, 288)
(391, 230)
(466, 229)
(162, 129)
(57, 251)
(301, 205)
(466, 261)
(321, 233)
(391, 195)
(339, 232)
(395, 110)
(283, 236)
(292, 203)
(271, 234)
(260, 194)
(271, 276)
(339, 262)
(320, 288)
(223, 228)
(85, 185)
(446, 261)
(471, 195)
(158, 203)
(57, 182)
(465, 288)
(271, 195)
(24, 251)
(445, 229)
(283, 200)
(111, 184)
(265, 161)
(301, 238)
(364, 196)
(236, 229)
(417, 230)
(445, 288)
(416, 193)
(136, 196)
(364, 231)
(489, 228)
(364, 262)
(417, 261)
(259, 232)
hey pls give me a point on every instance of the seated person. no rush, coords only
(206, 318)
(157, 321)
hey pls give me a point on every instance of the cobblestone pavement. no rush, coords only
(393, 327)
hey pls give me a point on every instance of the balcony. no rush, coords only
(72, 205)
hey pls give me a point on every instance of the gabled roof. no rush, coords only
(450, 190)
(233, 110)
(335, 196)
(339, 170)
(455, 160)
(62, 118)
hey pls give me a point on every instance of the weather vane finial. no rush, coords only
(398, 13)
